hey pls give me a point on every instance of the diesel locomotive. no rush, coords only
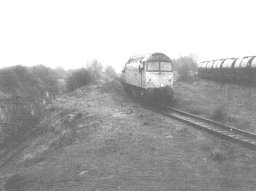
(149, 77)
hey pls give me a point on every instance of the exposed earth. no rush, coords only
(97, 138)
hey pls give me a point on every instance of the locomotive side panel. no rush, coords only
(133, 76)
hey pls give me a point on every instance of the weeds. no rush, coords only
(175, 102)
(19, 121)
(113, 85)
(219, 114)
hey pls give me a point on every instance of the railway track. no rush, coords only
(9, 155)
(227, 132)
(17, 148)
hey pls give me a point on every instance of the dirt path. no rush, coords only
(98, 139)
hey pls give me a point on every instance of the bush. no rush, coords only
(219, 114)
(79, 78)
(24, 81)
(45, 79)
(186, 67)
(217, 156)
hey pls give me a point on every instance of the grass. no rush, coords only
(217, 156)
(227, 103)
(16, 183)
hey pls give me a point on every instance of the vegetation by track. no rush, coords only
(230, 104)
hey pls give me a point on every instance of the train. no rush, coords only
(237, 70)
(149, 77)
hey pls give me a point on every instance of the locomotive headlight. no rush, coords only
(161, 85)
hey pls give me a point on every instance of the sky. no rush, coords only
(68, 33)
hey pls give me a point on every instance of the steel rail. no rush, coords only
(17, 148)
(227, 132)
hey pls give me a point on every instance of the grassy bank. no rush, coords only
(227, 103)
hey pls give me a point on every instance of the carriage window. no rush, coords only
(166, 66)
(153, 66)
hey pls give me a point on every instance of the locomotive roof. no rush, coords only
(156, 57)
(151, 58)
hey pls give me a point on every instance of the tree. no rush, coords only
(186, 67)
(78, 79)
(110, 71)
(95, 68)
(60, 72)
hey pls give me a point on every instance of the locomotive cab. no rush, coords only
(159, 74)
(159, 79)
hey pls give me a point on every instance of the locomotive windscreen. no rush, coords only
(153, 66)
(159, 66)
(165, 66)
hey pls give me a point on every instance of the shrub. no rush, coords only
(79, 78)
(186, 67)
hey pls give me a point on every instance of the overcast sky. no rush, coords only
(69, 33)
